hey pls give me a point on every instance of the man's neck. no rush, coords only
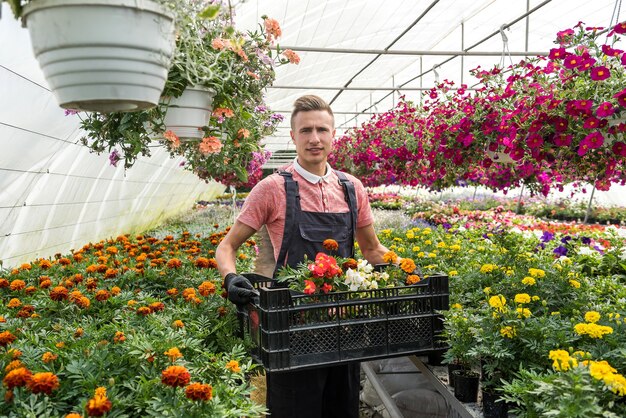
(317, 169)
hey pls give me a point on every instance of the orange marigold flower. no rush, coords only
(14, 352)
(60, 344)
(49, 357)
(233, 365)
(206, 288)
(144, 310)
(157, 306)
(45, 264)
(390, 257)
(175, 376)
(330, 245)
(17, 285)
(14, 364)
(8, 396)
(174, 263)
(44, 382)
(83, 302)
(26, 311)
(110, 273)
(17, 377)
(291, 56)
(65, 261)
(202, 262)
(6, 338)
(4, 283)
(78, 333)
(45, 284)
(210, 145)
(102, 295)
(92, 283)
(221, 311)
(59, 293)
(178, 324)
(119, 337)
(73, 415)
(78, 257)
(199, 392)
(30, 290)
(112, 250)
(173, 354)
(115, 290)
(99, 404)
(412, 279)
(189, 293)
(407, 265)
(2, 319)
(350, 263)
(172, 292)
(14, 303)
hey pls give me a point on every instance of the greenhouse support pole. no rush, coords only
(474, 196)
(588, 212)
(519, 202)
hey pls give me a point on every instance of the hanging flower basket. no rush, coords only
(188, 114)
(102, 55)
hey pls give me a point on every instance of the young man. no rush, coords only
(302, 206)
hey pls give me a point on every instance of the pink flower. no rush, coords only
(619, 148)
(291, 56)
(600, 73)
(605, 109)
(309, 287)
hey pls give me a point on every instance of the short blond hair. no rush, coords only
(309, 103)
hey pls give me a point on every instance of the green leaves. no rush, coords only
(210, 13)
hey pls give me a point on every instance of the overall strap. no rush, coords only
(292, 212)
(350, 194)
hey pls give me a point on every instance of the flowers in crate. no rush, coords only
(328, 273)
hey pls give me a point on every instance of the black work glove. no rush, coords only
(240, 290)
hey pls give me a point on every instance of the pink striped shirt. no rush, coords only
(266, 203)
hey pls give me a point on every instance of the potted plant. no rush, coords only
(101, 55)
(233, 66)
(458, 324)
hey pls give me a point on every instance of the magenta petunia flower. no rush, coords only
(600, 73)
(605, 109)
(594, 139)
(619, 148)
(534, 141)
(562, 140)
(621, 97)
(591, 123)
(620, 28)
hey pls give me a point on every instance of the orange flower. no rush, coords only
(73, 415)
(14, 303)
(4, 283)
(407, 265)
(350, 263)
(102, 295)
(112, 250)
(218, 43)
(115, 290)
(17, 285)
(272, 28)
(412, 279)
(291, 56)
(45, 264)
(173, 354)
(253, 75)
(210, 145)
(206, 288)
(83, 302)
(173, 138)
(243, 133)
(330, 245)
(175, 376)
(223, 112)
(144, 310)
(14, 352)
(157, 306)
(199, 392)
(17, 377)
(172, 292)
(174, 263)
(119, 337)
(49, 357)
(99, 404)
(233, 365)
(65, 261)
(178, 324)
(189, 293)
(44, 382)
(14, 364)
(390, 257)
(110, 273)
(6, 338)
(59, 293)
(78, 333)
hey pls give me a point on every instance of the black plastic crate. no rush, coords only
(293, 331)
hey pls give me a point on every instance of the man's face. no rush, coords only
(312, 133)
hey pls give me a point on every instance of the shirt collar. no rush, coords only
(310, 177)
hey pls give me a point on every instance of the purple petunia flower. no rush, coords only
(114, 158)
(586, 240)
(547, 236)
(566, 239)
(561, 251)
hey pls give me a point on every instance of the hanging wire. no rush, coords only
(436, 73)
(614, 16)
(505, 46)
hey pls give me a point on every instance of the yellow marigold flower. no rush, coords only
(600, 369)
(536, 273)
(523, 312)
(421, 254)
(60, 344)
(407, 265)
(426, 231)
(487, 290)
(535, 298)
(592, 316)
(390, 257)
(233, 365)
(173, 354)
(410, 235)
(178, 324)
(455, 247)
(562, 360)
(508, 332)
(616, 383)
(415, 249)
(574, 283)
(428, 242)
(453, 273)
(522, 298)
(497, 302)
(488, 268)
(456, 306)
(592, 330)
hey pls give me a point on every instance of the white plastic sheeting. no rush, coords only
(54, 194)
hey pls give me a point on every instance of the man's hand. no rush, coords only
(240, 290)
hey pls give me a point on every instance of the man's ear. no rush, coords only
(292, 138)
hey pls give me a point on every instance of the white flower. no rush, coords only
(587, 251)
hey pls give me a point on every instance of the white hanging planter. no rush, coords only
(102, 55)
(187, 114)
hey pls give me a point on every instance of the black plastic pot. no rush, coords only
(492, 408)
(466, 385)
(451, 368)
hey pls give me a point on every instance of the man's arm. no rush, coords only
(226, 251)
(369, 244)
